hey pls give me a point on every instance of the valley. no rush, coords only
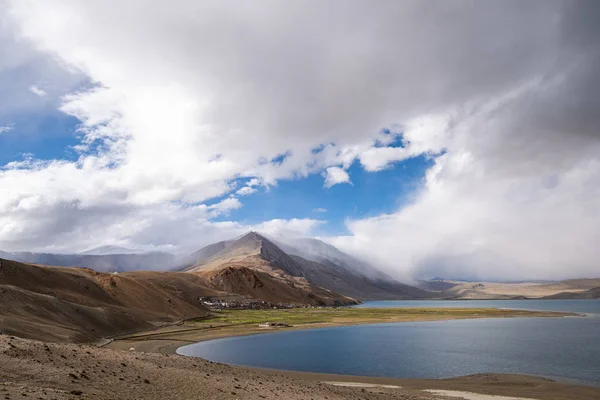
(249, 285)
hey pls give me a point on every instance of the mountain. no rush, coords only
(325, 267)
(107, 250)
(437, 285)
(98, 262)
(82, 305)
(255, 267)
(572, 288)
(585, 295)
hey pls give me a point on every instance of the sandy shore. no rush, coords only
(38, 370)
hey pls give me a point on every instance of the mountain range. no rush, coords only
(84, 297)
(103, 262)
(251, 265)
(73, 302)
(296, 263)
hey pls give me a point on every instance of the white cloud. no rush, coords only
(320, 210)
(505, 207)
(228, 204)
(37, 91)
(245, 191)
(5, 129)
(291, 228)
(190, 98)
(378, 158)
(335, 175)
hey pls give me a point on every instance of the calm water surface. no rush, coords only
(566, 349)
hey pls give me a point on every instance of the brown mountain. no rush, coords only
(255, 267)
(82, 305)
(252, 262)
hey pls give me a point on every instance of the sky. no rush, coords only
(458, 139)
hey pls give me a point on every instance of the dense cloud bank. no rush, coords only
(192, 100)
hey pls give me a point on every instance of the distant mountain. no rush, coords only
(102, 263)
(436, 285)
(567, 289)
(308, 260)
(585, 295)
(200, 256)
(321, 252)
(108, 250)
(255, 267)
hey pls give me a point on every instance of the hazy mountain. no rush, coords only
(102, 263)
(107, 250)
(315, 262)
(586, 295)
(572, 288)
(321, 252)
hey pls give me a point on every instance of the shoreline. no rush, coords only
(170, 346)
(167, 340)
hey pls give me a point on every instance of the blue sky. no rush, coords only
(166, 88)
(47, 135)
(51, 134)
(370, 194)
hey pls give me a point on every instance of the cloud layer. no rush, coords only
(195, 100)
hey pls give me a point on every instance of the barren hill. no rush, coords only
(572, 288)
(254, 258)
(585, 295)
(255, 267)
(80, 304)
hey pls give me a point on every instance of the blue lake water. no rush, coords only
(566, 349)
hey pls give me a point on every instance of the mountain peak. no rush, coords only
(252, 235)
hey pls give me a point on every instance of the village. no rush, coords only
(215, 304)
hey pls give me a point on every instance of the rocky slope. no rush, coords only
(82, 305)
(325, 265)
(255, 267)
(329, 270)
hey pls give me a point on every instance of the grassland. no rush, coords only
(245, 322)
(302, 316)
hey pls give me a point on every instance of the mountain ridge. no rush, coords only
(261, 253)
(251, 265)
(82, 305)
(103, 263)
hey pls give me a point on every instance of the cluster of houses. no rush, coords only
(222, 304)
(273, 325)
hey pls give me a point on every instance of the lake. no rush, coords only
(565, 349)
